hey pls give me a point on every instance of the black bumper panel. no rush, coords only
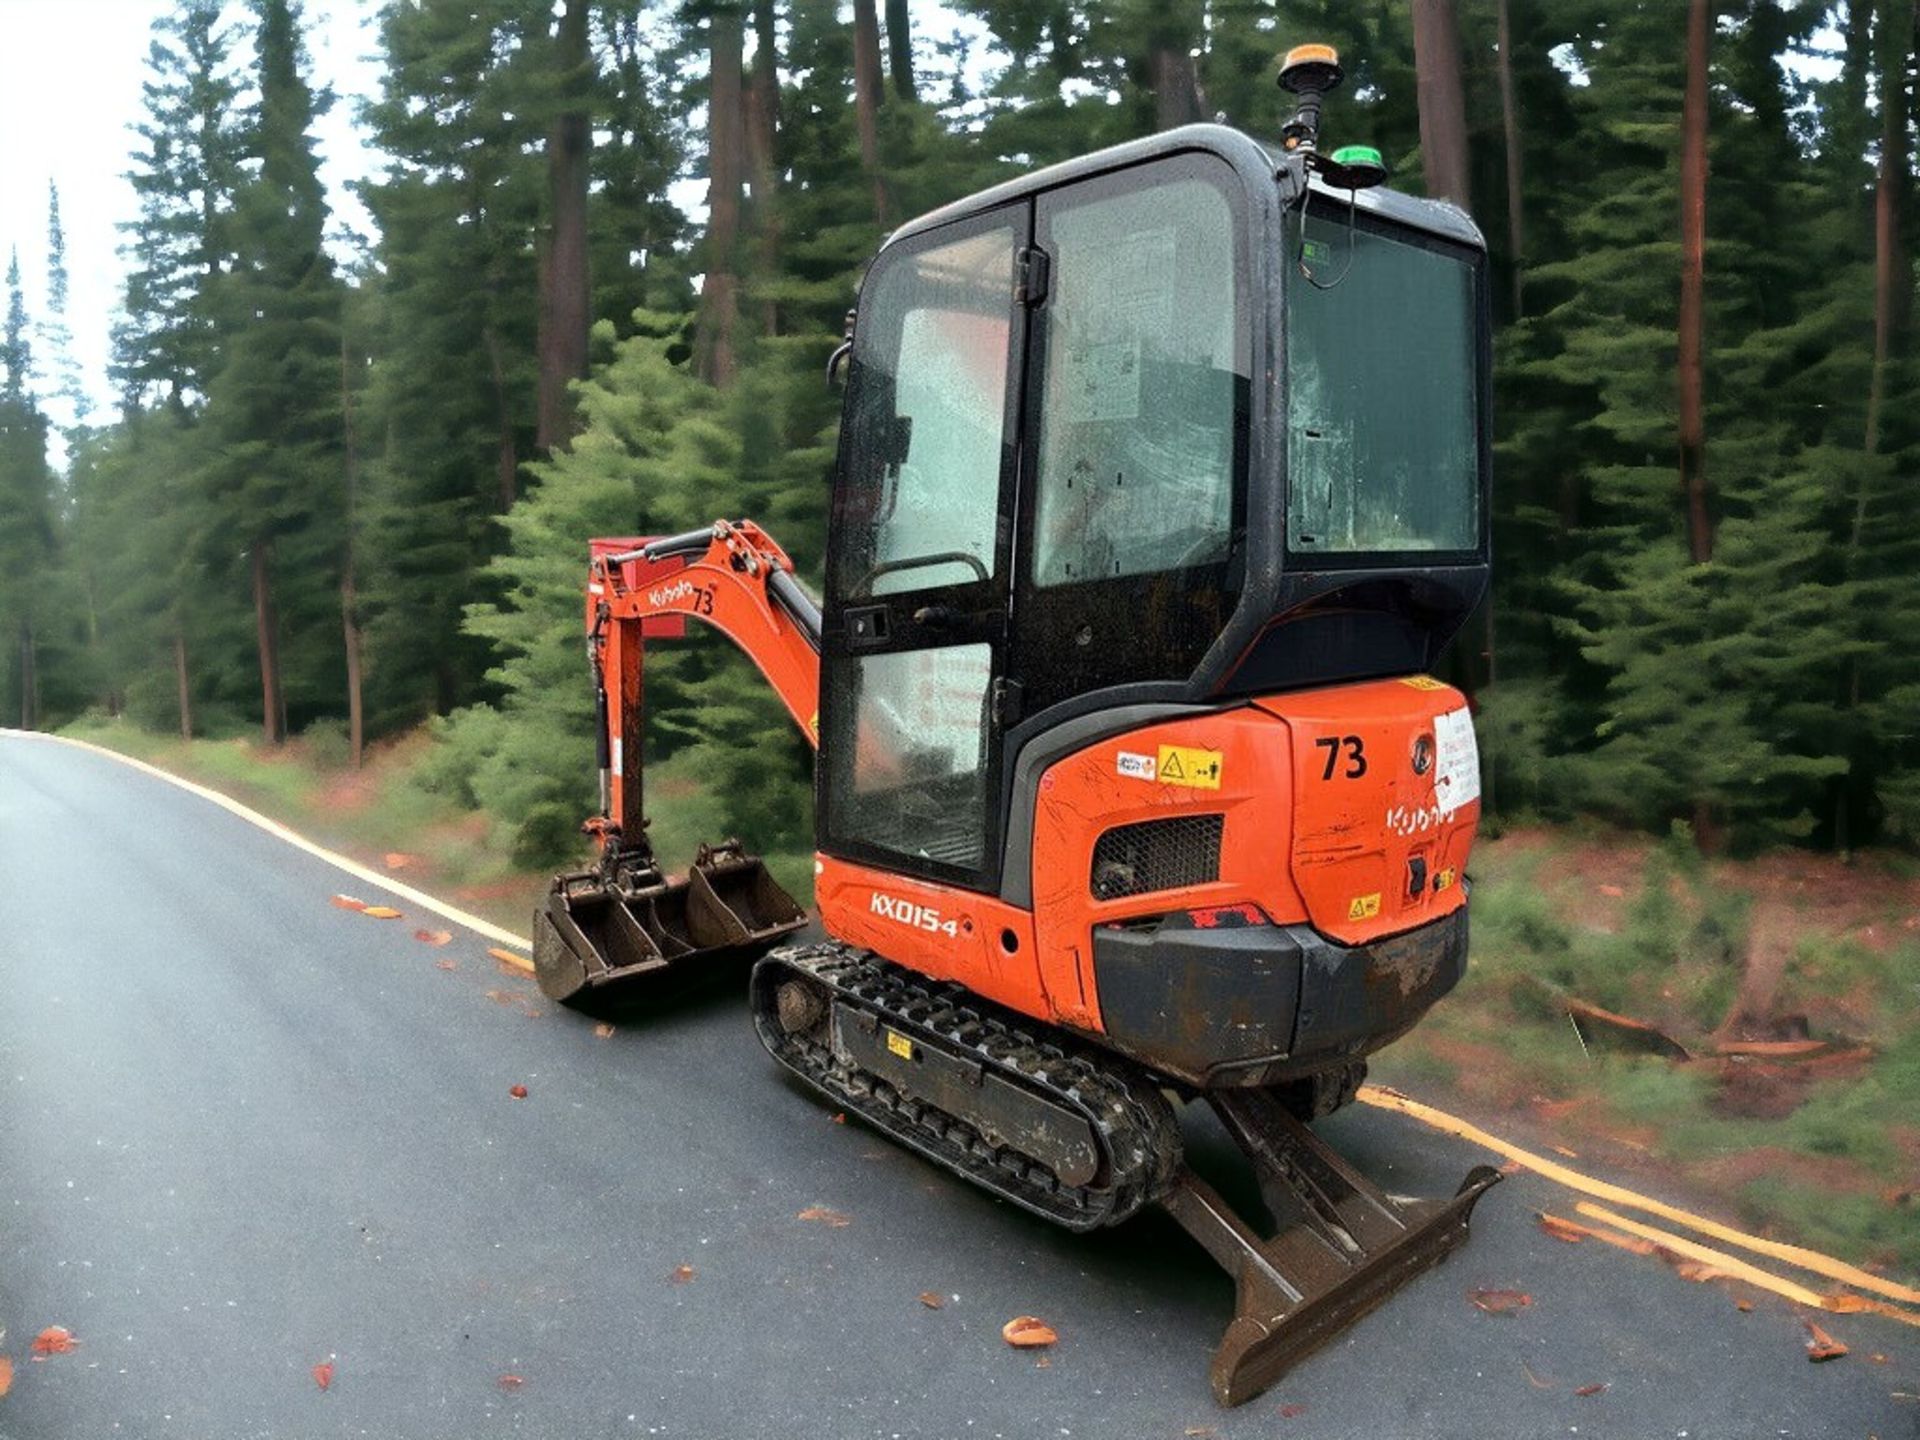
(1253, 1004)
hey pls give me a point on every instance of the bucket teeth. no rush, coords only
(626, 928)
(1342, 1247)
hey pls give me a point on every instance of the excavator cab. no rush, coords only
(1150, 429)
(1162, 484)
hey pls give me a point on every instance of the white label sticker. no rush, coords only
(618, 768)
(1456, 777)
(1136, 767)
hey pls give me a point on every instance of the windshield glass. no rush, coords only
(1383, 447)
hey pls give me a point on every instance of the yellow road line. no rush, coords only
(1739, 1269)
(362, 873)
(1383, 1098)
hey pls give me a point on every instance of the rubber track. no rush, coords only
(1138, 1136)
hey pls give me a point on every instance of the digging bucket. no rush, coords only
(596, 939)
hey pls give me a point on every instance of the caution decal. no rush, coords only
(1184, 765)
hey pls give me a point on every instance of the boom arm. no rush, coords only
(733, 577)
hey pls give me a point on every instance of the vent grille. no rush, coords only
(1157, 855)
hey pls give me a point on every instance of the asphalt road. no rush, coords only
(243, 1132)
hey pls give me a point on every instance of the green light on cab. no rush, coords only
(1359, 155)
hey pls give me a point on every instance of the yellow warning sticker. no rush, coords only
(813, 725)
(1443, 879)
(900, 1045)
(1184, 765)
(1423, 682)
(1364, 907)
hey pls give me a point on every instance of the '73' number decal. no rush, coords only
(1356, 756)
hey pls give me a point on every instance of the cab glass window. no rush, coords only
(1383, 443)
(925, 416)
(1144, 366)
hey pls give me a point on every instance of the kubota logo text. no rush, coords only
(671, 593)
(918, 917)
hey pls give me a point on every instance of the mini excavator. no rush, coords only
(1161, 485)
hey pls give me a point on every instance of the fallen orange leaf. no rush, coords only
(1197, 1432)
(825, 1216)
(507, 957)
(1744, 1306)
(1876, 1358)
(500, 997)
(1590, 1389)
(1563, 1229)
(1698, 1271)
(1821, 1345)
(381, 912)
(6, 1373)
(323, 1374)
(931, 1300)
(603, 1031)
(347, 902)
(54, 1340)
(433, 937)
(840, 1117)
(1500, 1302)
(518, 1092)
(1288, 1412)
(446, 964)
(681, 1274)
(1612, 892)
(1562, 1150)
(399, 859)
(1025, 1332)
(511, 1382)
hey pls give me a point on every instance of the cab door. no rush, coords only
(915, 628)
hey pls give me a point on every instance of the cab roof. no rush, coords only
(1256, 163)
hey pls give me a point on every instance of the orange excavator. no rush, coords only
(1161, 485)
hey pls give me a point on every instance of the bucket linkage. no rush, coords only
(1342, 1246)
(623, 927)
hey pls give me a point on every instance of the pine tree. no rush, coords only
(26, 509)
(276, 404)
(167, 345)
(56, 338)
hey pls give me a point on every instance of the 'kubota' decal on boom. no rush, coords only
(677, 591)
(917, 917)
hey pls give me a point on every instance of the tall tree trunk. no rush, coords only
(1443, 105)
(1176, 87)
(267, 639)
(763, 124)
(719, 287)
(1892, 277)
(1693, 272)
(28, 682)
(900, 49)
(349, 619)
(1510, 129)
(183, 690)
(866, 100)
(564, 292)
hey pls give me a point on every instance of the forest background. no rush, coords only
(331, 536)
(342, 498)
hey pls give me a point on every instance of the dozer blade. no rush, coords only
(1343, 1245)
(598, 939)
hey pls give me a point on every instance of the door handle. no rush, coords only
(936, 617)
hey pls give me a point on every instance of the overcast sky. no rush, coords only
(70, 76)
